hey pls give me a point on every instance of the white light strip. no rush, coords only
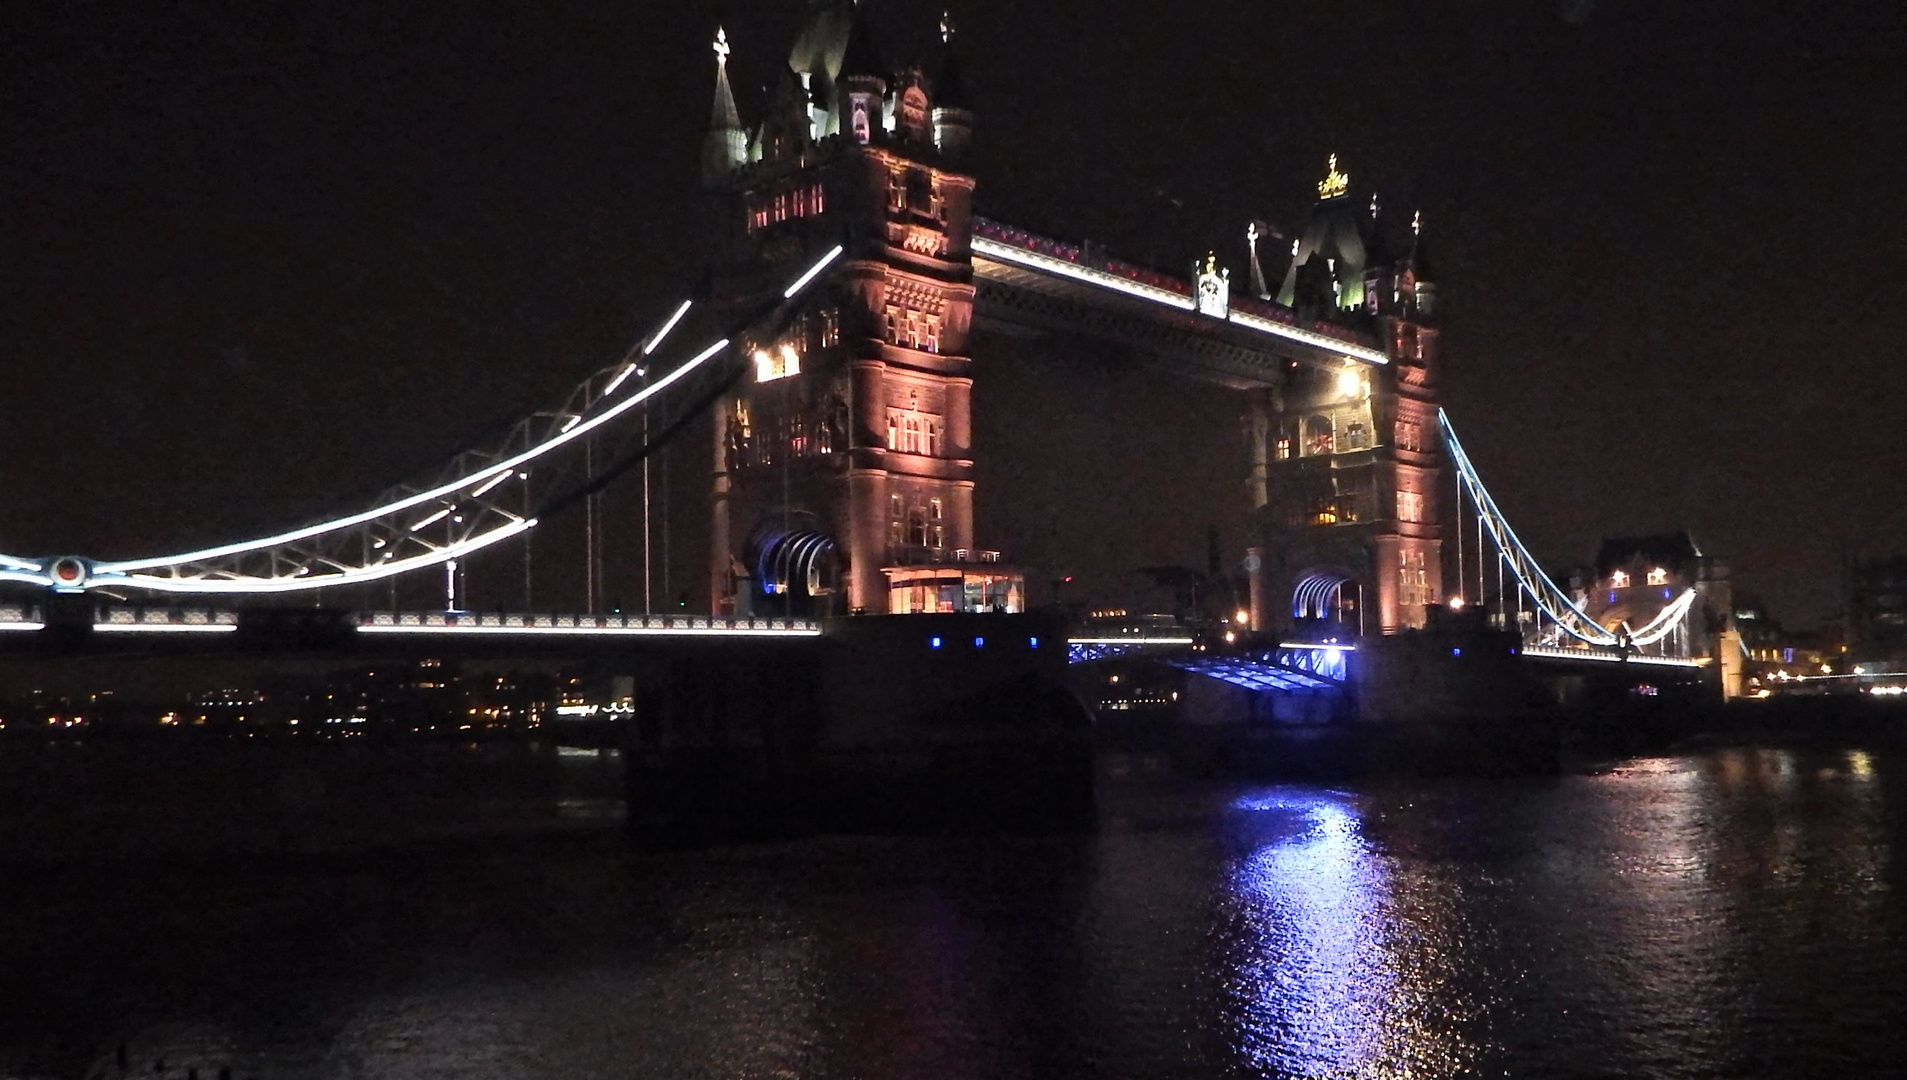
(354, 576)
(662, 333)
(22, 626)
(433, 519)
(802, 281)
(1048, 264)
(499, 478)
(163, 628)
(26, 578)
(444, 489)
(994, 249)
(13, 562)
(1309, 337)
(1129, 641)
(1309, 645)
(1500, 532)
(425, 496)
(627, 371)
(593, 631)
(1664, 622)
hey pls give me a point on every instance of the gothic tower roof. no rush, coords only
(1336, 236)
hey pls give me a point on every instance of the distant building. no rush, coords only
(1877, 611)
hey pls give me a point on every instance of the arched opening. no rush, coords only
(797, 572)
(1327, 604)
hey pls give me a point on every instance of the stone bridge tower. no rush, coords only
(1345, 459)
(843, 471)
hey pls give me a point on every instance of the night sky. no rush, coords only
(263, 259)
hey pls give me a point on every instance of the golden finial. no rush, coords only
(1417, 223)
(1334, 183)
(721, 46)
(1211, 262)
(946, 26)
(1373, 204)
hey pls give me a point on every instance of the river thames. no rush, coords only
(1730, 912)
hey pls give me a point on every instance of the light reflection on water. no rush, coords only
(1733, 912)
(1335, 975)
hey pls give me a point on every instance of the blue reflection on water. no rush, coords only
(1313, 981)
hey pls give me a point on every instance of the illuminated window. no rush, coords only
(933, 509)
(895, 320)
(1410, 436)
(1410, 506)
(1357, 436)
(912, 432)
(779, 364)
(1318, 438)
(1658, 576)
(1619, 579)
(830, 327)
(1283, 450)
(930, 340)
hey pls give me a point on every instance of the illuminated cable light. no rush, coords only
(802, 281)
(22, 625)
(355, 575)
(1548, 599)
(571, 422)
(421, 497)
(485, 487)
(121, 572)
(433, 519)
(664, 332)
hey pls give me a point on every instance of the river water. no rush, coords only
(1734, 912)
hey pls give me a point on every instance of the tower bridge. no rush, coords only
(829, 359)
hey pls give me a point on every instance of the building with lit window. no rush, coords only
(1346, 457)
(843, 471)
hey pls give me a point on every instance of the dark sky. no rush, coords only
(260, 258)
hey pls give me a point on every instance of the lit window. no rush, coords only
(1284, 450)
(1658, 576)
(1619, 579)
(933, 509)
(1410, 506)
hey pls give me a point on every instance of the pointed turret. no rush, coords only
(725, 147)
(953, 116)
(1414, 273)
(862, 81)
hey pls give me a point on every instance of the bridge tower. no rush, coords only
(1345, 459)
(843, 470)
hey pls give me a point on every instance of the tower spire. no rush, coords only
(725, 147)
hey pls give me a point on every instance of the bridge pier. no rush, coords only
(899, 723)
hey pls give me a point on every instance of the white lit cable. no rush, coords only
(802, 281)
(122, 572)
(1548, 597)
(656, 341)
(353, 576)
(499, 478)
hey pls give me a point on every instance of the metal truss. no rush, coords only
(482, 496)
(1260, 672)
